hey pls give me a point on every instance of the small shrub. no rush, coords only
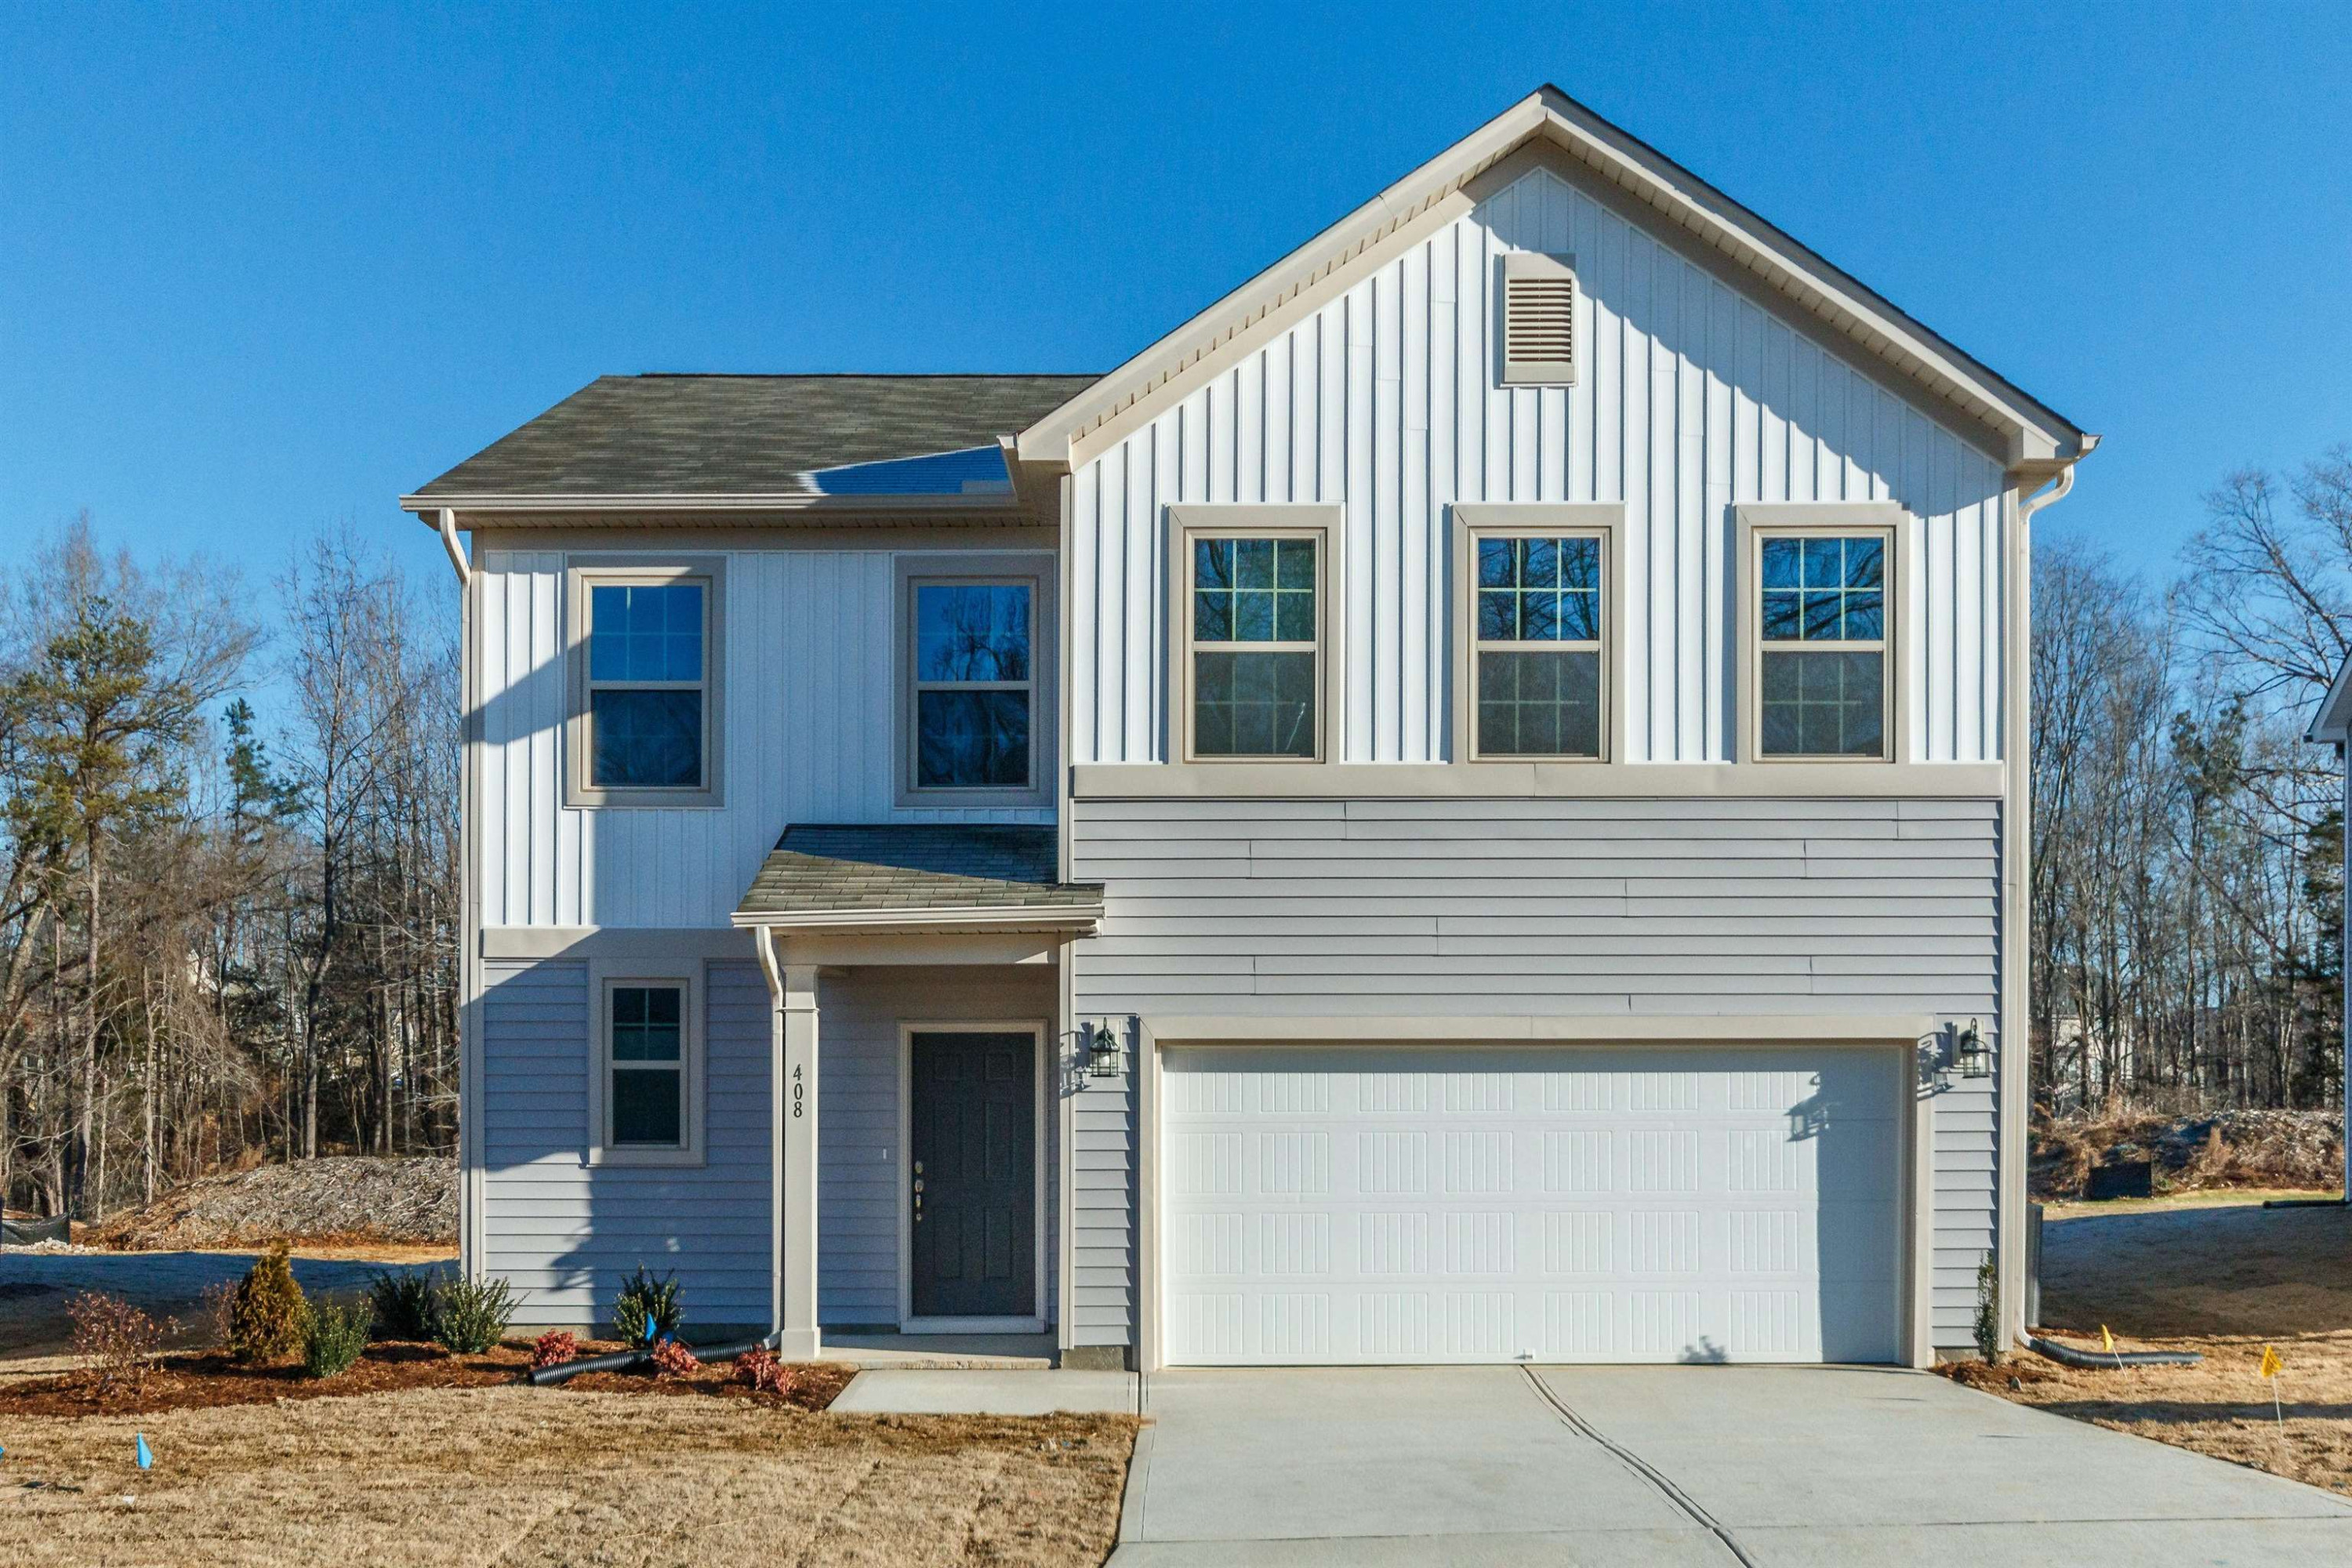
(554, 1347)
(333, 1335)
(404, 1304)
(672, 1359)
(216, 1312)
(761, 1372)
(645, 1299)
(266, 1321)
(117, 1342)
(469, 1316)
(1988, 1323)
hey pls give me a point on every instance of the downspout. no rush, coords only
(457, 551)
(2017, 832)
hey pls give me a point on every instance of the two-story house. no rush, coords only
(1466, 805)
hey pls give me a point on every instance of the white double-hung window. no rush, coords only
(1537, 648)
(646, 651)
(1823, 613)
(1251, 614)
(646, 1082)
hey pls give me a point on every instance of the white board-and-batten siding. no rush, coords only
(807, 719)
(1694, 395)
(1339, 908)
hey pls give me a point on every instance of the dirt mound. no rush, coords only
(336, 1200)
(2221, 1149)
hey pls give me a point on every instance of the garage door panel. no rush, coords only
(1337, 1205)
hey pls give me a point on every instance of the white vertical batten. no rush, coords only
(1693, 396)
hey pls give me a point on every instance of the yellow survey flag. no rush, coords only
(2272, 1365)
(2106, 1339)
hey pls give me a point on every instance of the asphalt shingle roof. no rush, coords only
(746, 435)
(886, 866)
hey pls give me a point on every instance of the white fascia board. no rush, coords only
(2333, 722)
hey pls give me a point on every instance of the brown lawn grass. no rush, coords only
(531, 1477)
(2224, 1279)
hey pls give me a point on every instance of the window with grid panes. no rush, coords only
(1537, 646)
(1256, 645)
(1822, 666)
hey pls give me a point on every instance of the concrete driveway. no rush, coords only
(1677, 1466)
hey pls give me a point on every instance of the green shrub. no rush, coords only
(644, 1299)
(1988, 1323)
(404, 1304)
(265, 1322)
(333, 1335)
(469, 1316)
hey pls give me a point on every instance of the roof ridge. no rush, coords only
(855, 375)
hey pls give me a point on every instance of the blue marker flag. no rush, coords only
(146, 1457)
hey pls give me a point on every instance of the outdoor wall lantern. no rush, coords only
(1102, 1052)
(1971, 1053)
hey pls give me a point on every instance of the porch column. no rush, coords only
(796, 1115)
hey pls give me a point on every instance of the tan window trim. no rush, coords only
(582, 573)
(1029, 569)
(604, 977)
(1604, 520)
(1759, 521)
(1320, 523)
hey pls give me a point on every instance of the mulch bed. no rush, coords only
(209, 1379)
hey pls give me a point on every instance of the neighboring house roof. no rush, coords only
(735, 437)
(2039, 440)
(2334, 720)
(915, 873)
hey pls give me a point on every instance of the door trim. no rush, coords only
(1914, 1125)
(1038, 1032)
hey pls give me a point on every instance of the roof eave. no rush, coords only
(2333, 722)
(994, 917)
(782, 500)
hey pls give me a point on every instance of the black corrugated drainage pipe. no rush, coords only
(622, 1361)
(2094, 1361)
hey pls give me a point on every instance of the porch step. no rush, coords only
(956, 1352)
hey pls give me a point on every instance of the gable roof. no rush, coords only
(2039, 439)
(915, 873)
(739, 437)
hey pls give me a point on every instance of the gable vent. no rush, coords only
(1538, 318)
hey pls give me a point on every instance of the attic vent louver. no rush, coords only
(1538, 318)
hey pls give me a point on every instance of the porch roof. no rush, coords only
(916, 874)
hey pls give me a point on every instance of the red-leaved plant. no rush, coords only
(760, 1371)
(554, 1347)
(672, 1359)
(117, 1343)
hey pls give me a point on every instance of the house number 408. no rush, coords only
(800, 1092)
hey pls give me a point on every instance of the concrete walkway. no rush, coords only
(899, 1390)
(1677, 1466)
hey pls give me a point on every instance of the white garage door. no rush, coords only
(1332, 1204)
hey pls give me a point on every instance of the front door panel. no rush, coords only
(975, 1193)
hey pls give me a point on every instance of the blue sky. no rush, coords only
(266, 268)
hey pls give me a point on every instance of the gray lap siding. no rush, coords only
(1557, 907)
(564, 1233)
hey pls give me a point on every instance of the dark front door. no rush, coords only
(976, 1176)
